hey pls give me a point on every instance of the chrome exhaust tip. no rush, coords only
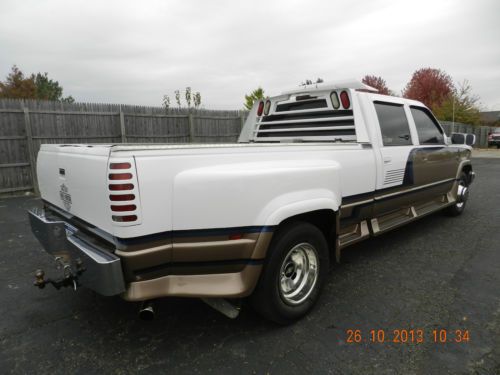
(147, 311)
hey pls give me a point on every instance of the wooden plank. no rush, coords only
(12, 137)
(2, 110)
(74, 136)
(32, 156)
(156, 115)
(12, 165)
(157, 135)
(122, 126)
(218, 117)
(242, 120)
(191, 128)
(13, 189)
(88, 113)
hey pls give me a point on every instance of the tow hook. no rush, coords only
(70, 277)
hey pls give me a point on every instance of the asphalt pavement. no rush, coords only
(395, 297)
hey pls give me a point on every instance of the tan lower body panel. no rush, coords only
(228, 285)
(211, 266)
(420, 204)
(252, 246)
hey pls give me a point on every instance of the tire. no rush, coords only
(459, 206)
(290, 284)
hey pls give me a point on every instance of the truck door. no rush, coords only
(396, 143)
(434, 163)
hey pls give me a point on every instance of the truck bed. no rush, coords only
(173, 184)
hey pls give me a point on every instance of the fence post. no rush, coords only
(31, 151)
(122, 126)
(191, 128)
(242, 118)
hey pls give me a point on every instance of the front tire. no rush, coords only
(459, 206)
(295, 269)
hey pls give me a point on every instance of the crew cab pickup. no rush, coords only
(315, 170)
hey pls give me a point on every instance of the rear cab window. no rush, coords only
(394, 125)
(428, 130)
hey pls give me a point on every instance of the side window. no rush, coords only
(393, 124)
(429, 132)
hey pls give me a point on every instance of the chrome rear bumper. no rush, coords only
(102, 269)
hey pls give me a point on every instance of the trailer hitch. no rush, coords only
(69, 278)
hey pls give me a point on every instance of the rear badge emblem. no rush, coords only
(65, 197)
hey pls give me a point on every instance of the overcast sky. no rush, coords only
(134, 52)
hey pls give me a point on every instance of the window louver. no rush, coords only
(325, 125)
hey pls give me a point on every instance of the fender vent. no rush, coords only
(394, 176)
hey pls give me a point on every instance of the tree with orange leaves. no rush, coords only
(430, 86)
(377, 83)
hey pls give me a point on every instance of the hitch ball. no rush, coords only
(39, 279)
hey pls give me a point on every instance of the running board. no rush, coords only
(401, 217)
(353, 234)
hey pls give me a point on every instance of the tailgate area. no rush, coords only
(80, 180)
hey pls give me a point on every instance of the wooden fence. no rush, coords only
(25, 125)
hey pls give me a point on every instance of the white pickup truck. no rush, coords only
(315, 170)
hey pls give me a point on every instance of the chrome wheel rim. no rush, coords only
(298, 274)
(462, 194)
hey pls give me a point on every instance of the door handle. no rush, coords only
(387, 159)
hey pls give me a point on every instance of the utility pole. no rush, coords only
(453, 115)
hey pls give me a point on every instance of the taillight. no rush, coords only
(121, 197)
(260, 109)
(125, 218)
(119, 166)
(120, 176)
(344, 98)
(124, 205)
(121, 187)
(335, 100)
(267, 107)
(127, 207)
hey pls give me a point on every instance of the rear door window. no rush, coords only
(429, 131)
(393, 124)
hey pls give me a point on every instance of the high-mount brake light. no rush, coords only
(127, 207)
(335, 100)
(260, 109)
(121, 187)
(120, 176)
(267, 107)
(344, 98)
(121, 197)
(126, 218)
(119, 166)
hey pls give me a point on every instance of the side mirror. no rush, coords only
(457, 138)
(463, 139)
(470, 139)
